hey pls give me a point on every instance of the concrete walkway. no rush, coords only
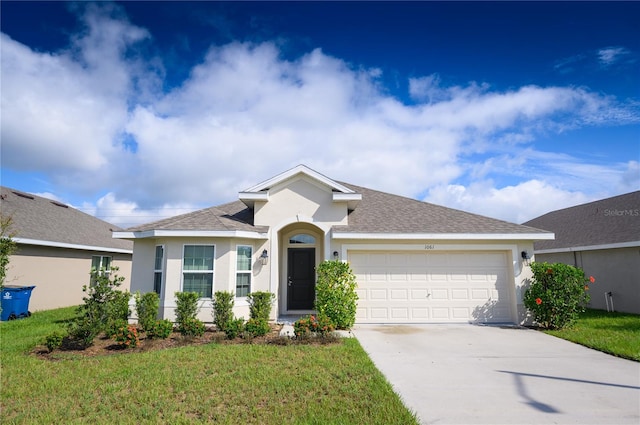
(466, 374)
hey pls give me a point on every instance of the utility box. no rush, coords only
(15, 302)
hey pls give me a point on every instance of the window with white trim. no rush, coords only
(197, 269)
(244, 254)
(101, 264)
(158, 269)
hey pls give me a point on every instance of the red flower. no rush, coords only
(538, 301)
(592, 279)
(549, 271)
(586, 287)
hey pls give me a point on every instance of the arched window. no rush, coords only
(302, 238)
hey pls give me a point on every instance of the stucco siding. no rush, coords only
(58, 274)
(616, 271)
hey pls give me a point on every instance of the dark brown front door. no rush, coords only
(301, 278)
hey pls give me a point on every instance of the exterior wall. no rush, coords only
(616, 270)
(58, 274)
(224, 278)
(311, 201)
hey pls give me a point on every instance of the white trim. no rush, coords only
(632, 244)
(300, 169)
(445, 236)
(70, 245)
(190, 234)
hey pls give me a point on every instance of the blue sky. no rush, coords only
(134, 111)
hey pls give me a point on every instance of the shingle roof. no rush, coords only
(41, 219)
(233, 216)
(381, 212)
(378, 212)
(608, 221)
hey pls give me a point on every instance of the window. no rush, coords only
(101, 264)
(157, 269)
(197, 268)
(243, 270)
(302, 238)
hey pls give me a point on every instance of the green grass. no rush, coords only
(613, 333)
(226, 384)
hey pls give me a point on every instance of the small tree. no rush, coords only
(147, 306)
(260, 305)
(336, 293)
(223, 309)
(186, 311)
(7, 246)
(557, 295)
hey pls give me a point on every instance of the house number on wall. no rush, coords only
(428, 246)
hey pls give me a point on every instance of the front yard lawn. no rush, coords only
(613, 333)
(213, 383)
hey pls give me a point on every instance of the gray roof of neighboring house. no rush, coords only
(608, 221)
(41, 219)
(377, 212)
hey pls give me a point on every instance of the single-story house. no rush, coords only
(57, 247)
(414, 261)
(603, 239)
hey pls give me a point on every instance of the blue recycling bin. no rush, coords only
(15, 302)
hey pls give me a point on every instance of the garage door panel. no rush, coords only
(432, 287)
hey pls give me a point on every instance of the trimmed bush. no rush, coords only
(557, 295)
(233, 328)
(186, 306)
(161, 329)
(147, 306)
(336, 293)
(54, 340)
(223, 308)
(191, 327)
(127, 336)
(260, 305)
(308, 326)
(257, 327)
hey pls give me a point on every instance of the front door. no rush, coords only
(301, 278)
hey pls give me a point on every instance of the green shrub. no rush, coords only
(147, 306)
(308, 326)
(257, 327)
(161, 329)
(127, 336)
(336, 293)
(118, 308)
(557, 295)
(191, 327)
(115, 326)
(260, 305)
(233, 328)
(82, 331)
(223, 308)
(54, 340)
(186, 306)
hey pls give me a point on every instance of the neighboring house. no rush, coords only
(414, 261)
(602, 238)
(57, 247)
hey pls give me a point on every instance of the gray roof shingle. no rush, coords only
(377, 212)
(41, 219)
(607, 221)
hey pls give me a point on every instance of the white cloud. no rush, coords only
(610, 55)
(516, 204)
(246, 114)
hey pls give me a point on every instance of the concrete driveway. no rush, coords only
(467, 374)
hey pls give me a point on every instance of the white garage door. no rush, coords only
(401, 287)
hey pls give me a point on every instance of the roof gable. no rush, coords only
(614, 220)
(41, 221)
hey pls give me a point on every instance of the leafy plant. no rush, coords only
(223, 308)
(557, 295)
(115, 327)
(260, 304)
(54, 340)
(7, 246)
(103, 306)
(147, 306)
(320, 325)
(336, 293)
(127, 336)
(161, 329)
(186, 306)
(257, 327)
(233, 328)
(191, 327)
